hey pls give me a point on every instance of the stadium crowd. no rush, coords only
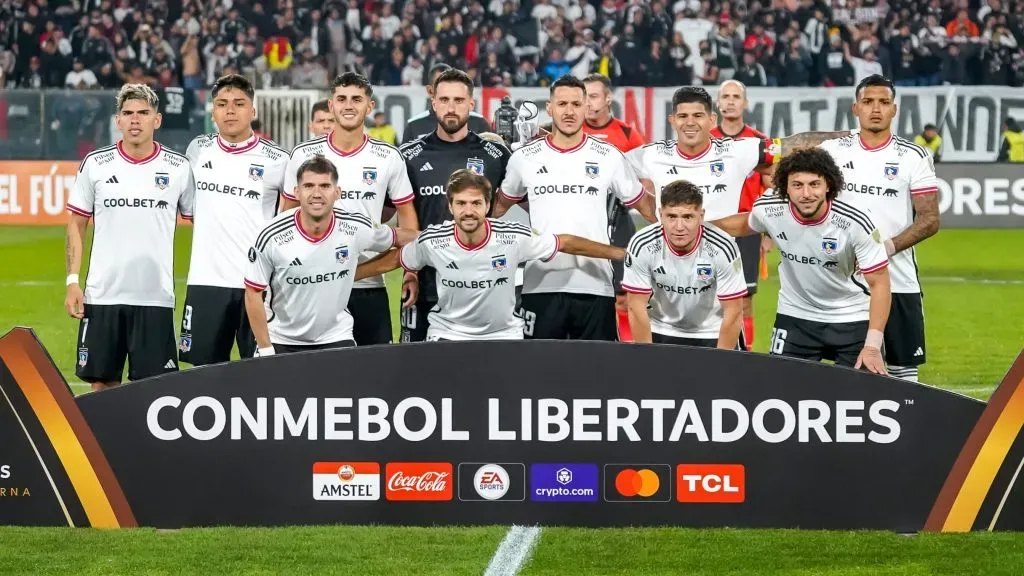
(106, 43)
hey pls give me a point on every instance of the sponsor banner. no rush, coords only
(969, 117)
(981, 195)
(742, 440)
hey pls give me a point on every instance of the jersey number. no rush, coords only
(186, 319)
(778, 341)
(529, 320)
(85, 329)
(409, 317)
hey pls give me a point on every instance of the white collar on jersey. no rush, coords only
(237, 147)
(339, 151)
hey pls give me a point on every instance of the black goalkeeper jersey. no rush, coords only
(430, 162)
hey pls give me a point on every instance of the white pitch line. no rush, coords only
(513, 551)
(963, 280)
(978, 390)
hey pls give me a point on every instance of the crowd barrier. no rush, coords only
(528, 432)
(970, 195)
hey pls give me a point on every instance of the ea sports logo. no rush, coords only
(346, 473)
(491, 481)
(643, 482)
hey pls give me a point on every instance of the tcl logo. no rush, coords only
(722, 483)
(419, 481)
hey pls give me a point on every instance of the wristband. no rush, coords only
(268, 351)
(874, 339)
(71, 279)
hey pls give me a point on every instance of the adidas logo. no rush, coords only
(674, 171)
(296, 262)
(543, 170)
(208, 165)
(170, 365)
(919, 352)
(452, 266)
(781, 236)
(848, 165)
(426, 167)
(659, 270)
(112, 180)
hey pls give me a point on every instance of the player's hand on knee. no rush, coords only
(410, 289)
(871, 359)
(74, 301)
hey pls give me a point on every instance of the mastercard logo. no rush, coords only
(643, 482)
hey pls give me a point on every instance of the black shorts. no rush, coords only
(414, 321)
(622, 231)
(567, 316)
(292, 349)
(697, 342)
(371, 316)
(750, 254)
(798, 338)
(213, 320)
(904, 332)
(110, 333)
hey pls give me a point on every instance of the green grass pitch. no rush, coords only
(974, 302)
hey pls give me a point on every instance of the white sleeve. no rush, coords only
(636, 273)
(192, 152)
(512, 185)
(625, 183)
(413, 257)
(729, 274)
(539, 247)
(83, 194)
(260, 268)
(756, 219)
(869, 248)
(750, 152)
(291, 179)
(399, 185)
(922, 179)
(187, 198)
(377, 239)
(635, 158)
(276, 177)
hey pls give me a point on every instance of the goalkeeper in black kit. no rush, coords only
(430, 161)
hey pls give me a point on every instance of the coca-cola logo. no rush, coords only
(419, 481)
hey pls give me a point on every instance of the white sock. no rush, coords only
(908, 373)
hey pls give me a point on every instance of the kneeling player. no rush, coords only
(476, 258)
(829, 249)
(308, 257)
(683, 269)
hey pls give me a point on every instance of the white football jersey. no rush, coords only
(881, 182)
(310, 278)
(823, 262)
(568, 192)
(719, 171)
(237, 190)
(685, 287)
(476, 289)
(365, 176)
(134, 206)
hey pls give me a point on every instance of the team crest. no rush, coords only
(162, 180)
(185, 344)
(498, 263)
(891, 170)
(717, 168)
(341, 254)
(255, 172)
(83, 356)
(704, 272)
(592, 170)
(475, 165)
(369, 176)
(829, 246)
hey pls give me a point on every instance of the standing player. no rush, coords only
(430, 161)
(732, 102)
(567, 178)
(476, 258)
(368, 171)
(133, 190)
(308, 257)
(426, 122)
(829, 249)
(687, 273)
(321, 121)
(601, 125)
(238, 183)
(894, 181)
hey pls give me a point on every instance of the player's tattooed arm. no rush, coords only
(804, 140)
(926, 223)
(570, 244)
(736, 225)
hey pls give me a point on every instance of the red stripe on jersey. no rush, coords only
(875, 268)
(255, 285)
(238, 147)
(187, 216)
(511, 198)
(156, 152)
(558, 245)
(697, 156)
(309, 237)
(700, 236)
(635, 290)
(923, 191)
(405, 200)
(483, 243)
(288, 195)
(401, 262)
(876, 148)
(733, 296)
(394, 237)
(566, 150)
(339, 151)
(638, 198)
(79, 211)
(800, 220)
